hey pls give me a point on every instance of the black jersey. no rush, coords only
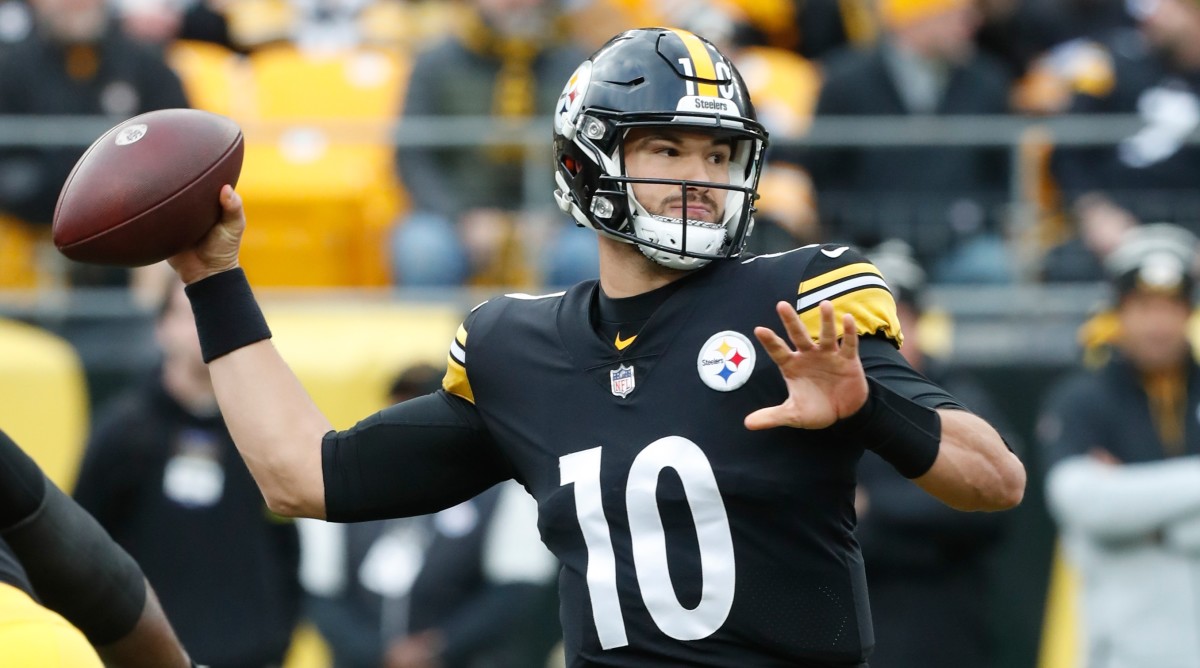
(685, 539)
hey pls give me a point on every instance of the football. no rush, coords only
(148, 188)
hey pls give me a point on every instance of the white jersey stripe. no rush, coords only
(812, 298)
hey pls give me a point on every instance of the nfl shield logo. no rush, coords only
(622, 380)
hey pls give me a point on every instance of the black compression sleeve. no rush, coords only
(883, 362)
(906, 434)
(77, 570)
(413, 458)
(898, 421)
(21, 487)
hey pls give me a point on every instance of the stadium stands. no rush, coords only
(318, 179)
(43, 399)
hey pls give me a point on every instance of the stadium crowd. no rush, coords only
(329, 91)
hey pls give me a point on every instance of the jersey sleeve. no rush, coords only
(843, 276)
(416, 457)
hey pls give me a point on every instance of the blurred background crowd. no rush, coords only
(403, 135)
(998, 159)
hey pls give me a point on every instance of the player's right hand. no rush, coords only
(218, 250)
(824, 376)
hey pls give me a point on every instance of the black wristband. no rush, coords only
(227, 316)
(904, 433)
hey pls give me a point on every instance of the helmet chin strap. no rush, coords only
(700, 237)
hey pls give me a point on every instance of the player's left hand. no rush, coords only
(825, 379)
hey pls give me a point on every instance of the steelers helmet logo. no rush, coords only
(726, 361)
(571, 99)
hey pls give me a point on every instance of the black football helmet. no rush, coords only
(655, 77)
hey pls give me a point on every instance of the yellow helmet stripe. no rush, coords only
(701, 61)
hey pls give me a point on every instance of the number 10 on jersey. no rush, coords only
(582, 469)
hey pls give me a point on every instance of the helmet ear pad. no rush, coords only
(579, 179)
(574, 174)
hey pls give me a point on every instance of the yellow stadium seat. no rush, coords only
(318, 221)
(43, 399)
(408, 24)
(784, 87)
(319, 180)
(360, 84)
(346, 355)
(19, 242)
(253, 23)
(213, 76)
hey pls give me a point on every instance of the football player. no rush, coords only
(694, 469)
(55, 557)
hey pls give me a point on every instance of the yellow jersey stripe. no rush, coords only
(701, 61)
(873, 309)
(836, 275)
(455, 381)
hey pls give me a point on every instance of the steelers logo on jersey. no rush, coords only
(726, 361)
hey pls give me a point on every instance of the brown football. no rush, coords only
(148, 188)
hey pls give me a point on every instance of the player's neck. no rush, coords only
(626, 272)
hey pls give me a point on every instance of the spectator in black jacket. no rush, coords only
(162, 475)
(926, 563)
(76, 62)
(942, 200)
(1149, 176)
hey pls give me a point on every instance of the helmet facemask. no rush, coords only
(656, 78)
(677, 243)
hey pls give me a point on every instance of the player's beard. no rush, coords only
(705, 199)
(667, 240)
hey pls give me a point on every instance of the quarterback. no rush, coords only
(694, 467)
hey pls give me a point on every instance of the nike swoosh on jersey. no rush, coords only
(837, 252)
(622, 344)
